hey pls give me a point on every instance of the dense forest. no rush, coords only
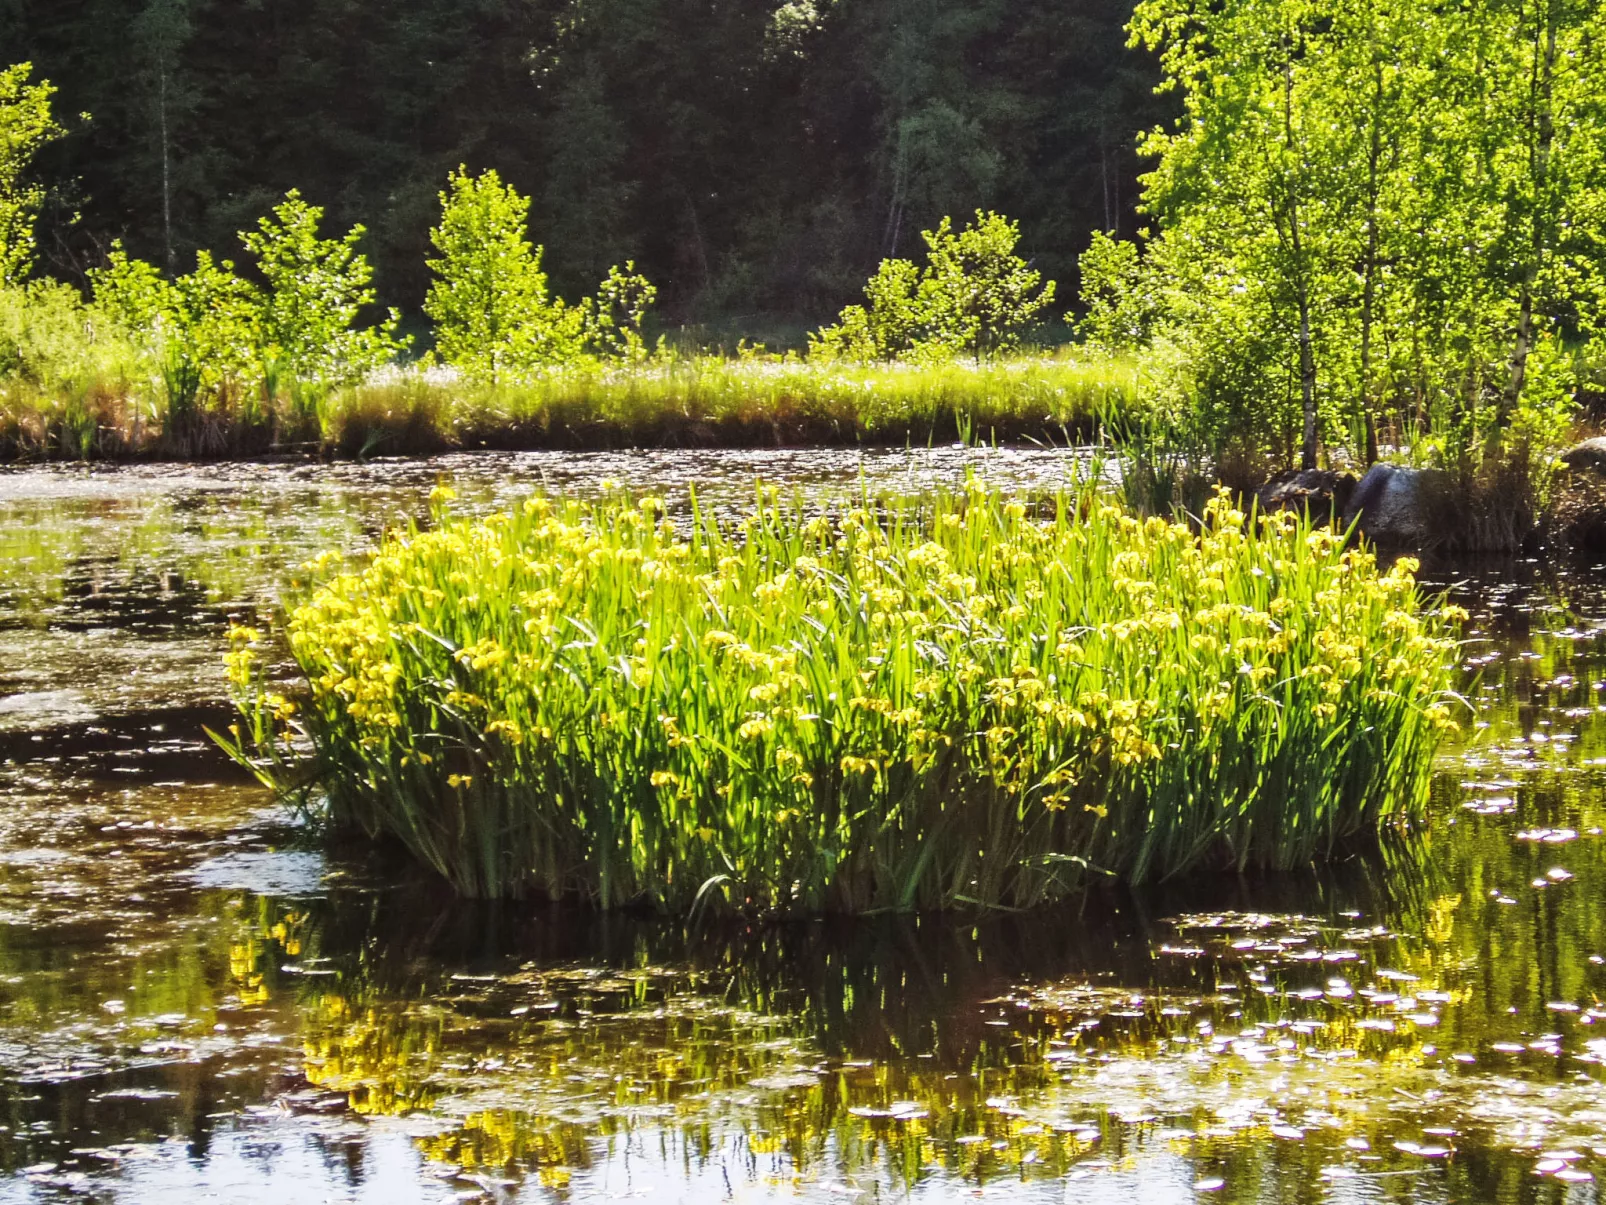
(757, 158)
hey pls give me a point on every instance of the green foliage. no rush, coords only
(623, 299)
(1371, 212)
(908, 705)
(25, 126)
(756, 157)
(489, 301)
(212, 336)
(974, 296)
(199, 332)
(51, 342)
(890, 326)
(317, 289)
(1119, 298)
(494, 316)
(978, 294)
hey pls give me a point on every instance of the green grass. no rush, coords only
(687, 401)
(967, 700)
(707, 400)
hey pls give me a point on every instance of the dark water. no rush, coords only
(198, 1004)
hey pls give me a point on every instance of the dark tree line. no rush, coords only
(752, 156)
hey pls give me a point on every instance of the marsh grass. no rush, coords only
(679, 401)
(715, 401)
(966, 700)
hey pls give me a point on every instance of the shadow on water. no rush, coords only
(198, 1003)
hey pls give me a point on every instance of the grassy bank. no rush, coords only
(967, 700)
(686, 401)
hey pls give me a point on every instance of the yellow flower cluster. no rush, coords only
(1125, 691)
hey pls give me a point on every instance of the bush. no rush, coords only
(211, 334)
(974, 700)
(197, 334)
(307, 324)
(52, 342)
(974, 296)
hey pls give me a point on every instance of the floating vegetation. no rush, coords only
(973, 699)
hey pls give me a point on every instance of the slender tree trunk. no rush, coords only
(894, 227)
(1104, 185)
(167, 169)
(1301, 273)
(1519, 352)
(1544, 137)
(1370, 266)
(697, 240)
(1307, 384)
(1115, 185)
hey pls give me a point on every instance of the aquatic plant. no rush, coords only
(972, 699)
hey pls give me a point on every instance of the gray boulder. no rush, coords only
(1399, 507)
(1591, 454)
(1322, 492)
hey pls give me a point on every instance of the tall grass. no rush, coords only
(912, 704)
(710, 400)
(115, 411)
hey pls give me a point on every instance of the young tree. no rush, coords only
(1394, 198)
(1257, 178)
(199, 331)
(489, 301)
(623, 299)
(974, 296)
(1550, 170)
(26, 125)
(890, 324)
(978, 294)
(317, 289)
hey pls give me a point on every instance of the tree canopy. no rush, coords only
(752, 157)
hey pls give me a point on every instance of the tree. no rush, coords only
(978, 293)
(26, 125)
(492, 311)
(1256, 181)
(1550, 171)
(494, 315)
(1122, 308)
(159, 34)
(317, 289)
(198, 331)
(974, 296)
(623, 299)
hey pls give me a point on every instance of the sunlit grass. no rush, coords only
(695, 400)
(913, 704)
(713, 400)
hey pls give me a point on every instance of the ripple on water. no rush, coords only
(278, 873)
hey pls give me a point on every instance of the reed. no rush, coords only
(966, 700)
(712, 400)
(111, 413)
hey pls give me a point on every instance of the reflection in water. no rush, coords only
(196, 1004)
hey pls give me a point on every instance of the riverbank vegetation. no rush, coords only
(1377, 235)
(1374, 224)
(971, 700)
(285, 353)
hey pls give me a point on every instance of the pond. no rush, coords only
(198, 1002)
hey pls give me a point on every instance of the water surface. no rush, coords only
(199, 1003)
